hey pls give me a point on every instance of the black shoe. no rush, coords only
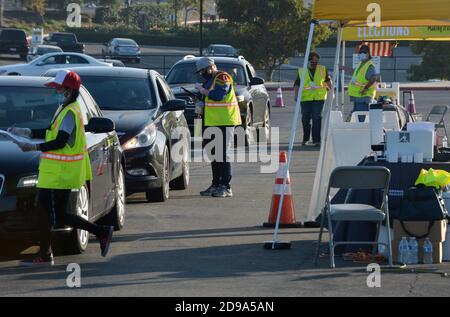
(312, 224)
(223, 192)
(105, 240)
(209, 192)
(38, 261)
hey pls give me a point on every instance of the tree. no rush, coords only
(37, 6)
(268, 32)
(2, 6)
(175, 5)
(435, 63)
(61, 4)
(188, 7)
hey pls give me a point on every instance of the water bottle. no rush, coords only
(413, 251)
(427, 252)
(444, 142)
(403, 251)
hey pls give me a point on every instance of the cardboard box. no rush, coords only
(437, 251)
(437, 234)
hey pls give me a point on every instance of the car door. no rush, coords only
(96, 148)
(109, 150)
(258, 97)
(169, 120)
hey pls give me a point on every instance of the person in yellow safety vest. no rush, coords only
(64, 166)
(221, 110)
(315, 90)
(362, 87)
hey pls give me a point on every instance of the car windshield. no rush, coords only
(126, 42)
(222, 50)
(112, 93)
(185, 74)
(63, 38)
(12, 35)
(27, 107)
(45, 50)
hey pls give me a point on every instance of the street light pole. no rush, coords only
(201, 27)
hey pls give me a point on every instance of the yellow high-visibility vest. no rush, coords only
(359, 81)
(69, 167)
(314, 89)
(225, 112)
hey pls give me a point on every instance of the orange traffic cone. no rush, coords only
(279, 103)
(287, 219)
(412, 104)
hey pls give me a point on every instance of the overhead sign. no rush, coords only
(437, 33)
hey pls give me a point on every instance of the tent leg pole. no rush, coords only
(293, 132)
(343, 78)
(328, 108)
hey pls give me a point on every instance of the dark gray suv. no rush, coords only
(251, 93)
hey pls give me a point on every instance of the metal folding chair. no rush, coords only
(351, 178)
(440, 112)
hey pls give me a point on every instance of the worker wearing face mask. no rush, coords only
(362, 87)
(315, 90)
(64, 167)
(221, 110)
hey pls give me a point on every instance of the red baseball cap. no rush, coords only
(66, 79)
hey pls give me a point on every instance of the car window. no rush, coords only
(13, 35)
(121, 93)
(251, 71)
(161, 91)
(27, 107)
(92, 104)
(185, 73)
(56, 60)
(64, 38)
(85, 113)
(75, 59)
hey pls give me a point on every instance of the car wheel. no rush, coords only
(181, 182)
(116, 217)
(264, 133)
(78, 240)
(161, 194)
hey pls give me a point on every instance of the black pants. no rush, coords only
(222, 169)
(312, 111)
(52, 205)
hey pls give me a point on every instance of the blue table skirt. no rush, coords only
(403, 176)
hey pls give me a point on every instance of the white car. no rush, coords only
(40, 65)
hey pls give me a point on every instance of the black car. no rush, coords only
(146, 115)
(251, 93)
(25, 102)
(68, 42)
(14, 42)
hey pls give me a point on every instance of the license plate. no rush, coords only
(12, 49)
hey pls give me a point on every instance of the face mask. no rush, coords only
(60, 98)
(313, 64)
(363, 56)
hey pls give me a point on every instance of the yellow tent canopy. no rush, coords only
(393, 13)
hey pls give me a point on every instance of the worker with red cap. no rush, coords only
(64, 167)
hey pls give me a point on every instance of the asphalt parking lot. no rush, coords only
(196, 246)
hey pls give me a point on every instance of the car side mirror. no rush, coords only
(256, 81)
(174, 105)
(100, 125)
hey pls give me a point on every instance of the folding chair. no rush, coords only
(440, 111)
(351, 178)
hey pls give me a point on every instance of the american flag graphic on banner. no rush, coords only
(383, 49)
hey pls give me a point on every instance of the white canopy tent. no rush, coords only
(353, 13)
